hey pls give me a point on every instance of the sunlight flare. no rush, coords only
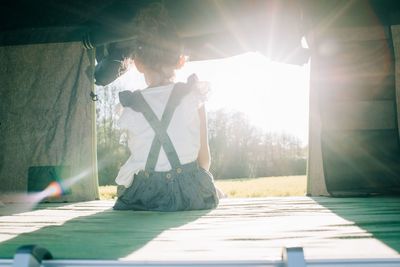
(274, 96)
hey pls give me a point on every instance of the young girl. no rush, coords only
(167, 128)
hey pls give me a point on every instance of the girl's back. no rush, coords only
(183, 129)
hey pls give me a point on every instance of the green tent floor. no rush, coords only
(239, 229)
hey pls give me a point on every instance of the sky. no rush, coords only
(274, 96)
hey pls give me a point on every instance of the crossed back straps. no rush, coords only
(136, 101)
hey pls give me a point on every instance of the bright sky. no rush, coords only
(273, 95)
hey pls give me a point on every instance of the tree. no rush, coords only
(112, 150)
(238, 149)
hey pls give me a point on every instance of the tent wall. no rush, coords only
(354, 138)
(47, 118)
(395, 31)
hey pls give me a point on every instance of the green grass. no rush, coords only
(264, 186)
(249, 187)
(108, 192)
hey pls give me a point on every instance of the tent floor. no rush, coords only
(239, 229)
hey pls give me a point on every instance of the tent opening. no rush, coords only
(257, 122)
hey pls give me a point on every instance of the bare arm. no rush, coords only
(204, 157)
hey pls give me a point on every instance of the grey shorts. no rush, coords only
(188, 187)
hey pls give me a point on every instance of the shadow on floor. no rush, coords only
(379, 216)
(9, 209)
(105, 235)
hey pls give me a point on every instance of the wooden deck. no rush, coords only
(239, 229)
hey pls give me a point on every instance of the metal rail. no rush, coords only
(34, 256)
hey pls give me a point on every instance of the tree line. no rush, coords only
(238, 148)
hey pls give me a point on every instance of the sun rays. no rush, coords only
(274, 96)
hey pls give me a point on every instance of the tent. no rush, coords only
(49, 48)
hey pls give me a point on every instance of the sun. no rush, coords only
(274, 96)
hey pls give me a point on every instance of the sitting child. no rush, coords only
(166, 125)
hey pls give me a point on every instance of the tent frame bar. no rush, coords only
(384, 262)
(35, 256)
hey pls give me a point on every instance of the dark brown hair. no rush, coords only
(158, 45)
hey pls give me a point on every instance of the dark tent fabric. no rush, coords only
(354, 147)
(47, 116)
(210, 29)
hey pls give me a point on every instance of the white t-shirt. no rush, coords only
(183, 130)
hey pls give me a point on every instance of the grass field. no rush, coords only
(264, 186)
(249, 187)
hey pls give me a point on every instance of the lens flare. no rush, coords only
(54, 189)
(23, 202)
